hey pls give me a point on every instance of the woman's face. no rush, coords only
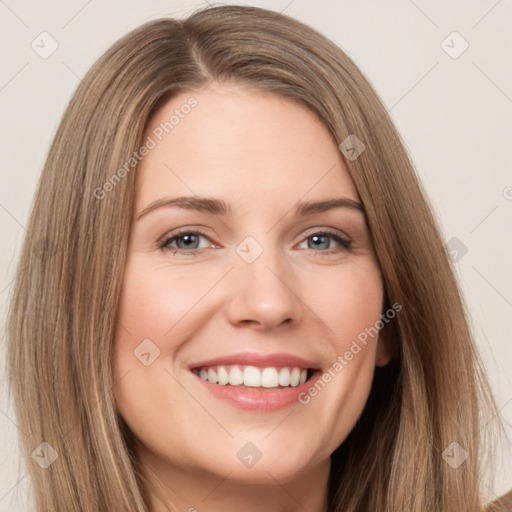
(247, 283)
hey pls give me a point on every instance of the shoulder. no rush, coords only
(503, 504)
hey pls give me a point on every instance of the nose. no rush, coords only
(263, 294)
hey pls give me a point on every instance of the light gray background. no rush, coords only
(455, 115)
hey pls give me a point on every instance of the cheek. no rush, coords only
(157, 303)
(350, 306)
(355, 312)
(348, 301)
(159, 311)
(148, 309)
(149, 332)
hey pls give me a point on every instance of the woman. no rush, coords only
(311, 352)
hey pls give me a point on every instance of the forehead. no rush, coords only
(233, 139)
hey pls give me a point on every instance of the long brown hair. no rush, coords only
(62, 317)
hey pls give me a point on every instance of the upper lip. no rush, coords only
(260, 360)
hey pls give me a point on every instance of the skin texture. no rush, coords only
(261, 154)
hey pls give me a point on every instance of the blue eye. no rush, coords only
(186, 242)
(322, 242)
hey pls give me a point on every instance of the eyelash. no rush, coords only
(164, 243)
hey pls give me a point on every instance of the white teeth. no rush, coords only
(253, 376)
(269, 378)
(284, 377)
(294, 377)
(212, 375)
(223, 376)
(236, 377)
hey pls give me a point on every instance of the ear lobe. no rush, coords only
(385, 348)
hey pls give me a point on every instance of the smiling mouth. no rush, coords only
(254, 377)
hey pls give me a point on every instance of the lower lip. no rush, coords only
(259, 399)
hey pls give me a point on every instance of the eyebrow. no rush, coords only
(221, 208)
